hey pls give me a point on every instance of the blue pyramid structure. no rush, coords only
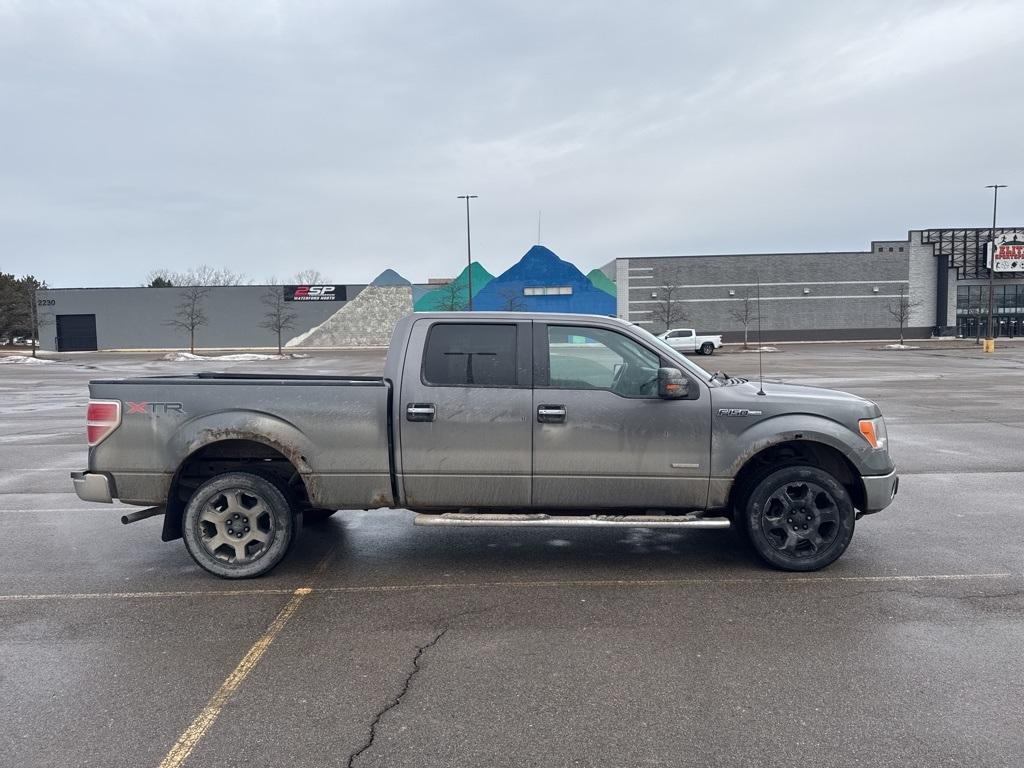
(540, 268)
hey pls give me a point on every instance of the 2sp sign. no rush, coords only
(314, 293)
(1008, 250)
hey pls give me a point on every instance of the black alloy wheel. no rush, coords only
(799, 518)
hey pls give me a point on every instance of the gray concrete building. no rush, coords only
(72, 319)
(941, 273)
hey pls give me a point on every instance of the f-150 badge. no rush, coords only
(737, 412)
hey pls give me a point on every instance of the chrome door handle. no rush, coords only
(419, 412)
(551, 414)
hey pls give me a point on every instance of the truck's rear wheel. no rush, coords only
(238, 525)
(707, 348)
(799, 518)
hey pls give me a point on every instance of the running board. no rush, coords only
(569, 521)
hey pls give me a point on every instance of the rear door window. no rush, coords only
(470, 355)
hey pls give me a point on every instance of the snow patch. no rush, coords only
(900, 346)
(181, 357)
(19, 360)
(761, 349)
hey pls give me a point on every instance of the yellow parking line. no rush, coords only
(191, 736)
(780, 580)
(322, 566)
(132, 595)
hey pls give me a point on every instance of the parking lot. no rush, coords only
(379, 644)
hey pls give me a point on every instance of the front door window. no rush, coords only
(595, 358)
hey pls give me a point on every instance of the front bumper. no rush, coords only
(879, 491)
(92, 486)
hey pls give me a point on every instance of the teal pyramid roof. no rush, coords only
(454, 296)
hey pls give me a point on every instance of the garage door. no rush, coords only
(76, 333)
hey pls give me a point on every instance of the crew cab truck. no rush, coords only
(508, 419)
(688, 340)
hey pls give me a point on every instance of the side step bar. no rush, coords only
(537, 520)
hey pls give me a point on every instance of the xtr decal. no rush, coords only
(155, 408)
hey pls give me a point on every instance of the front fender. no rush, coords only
(731, 448)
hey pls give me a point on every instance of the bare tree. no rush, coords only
(900, 309)
(310, 277)
(278, 317)
(746, 313)
(667, 310)
(203, 275)
(191, 313)
(513, 300)
(451, 297)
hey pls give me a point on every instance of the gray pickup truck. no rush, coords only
(505, 419)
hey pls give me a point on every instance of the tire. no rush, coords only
(238, 525)
(316, 516)
(707, 348)
(799, 518)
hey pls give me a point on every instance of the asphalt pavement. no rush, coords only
(379, 644)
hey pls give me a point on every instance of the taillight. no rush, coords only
(101, 418)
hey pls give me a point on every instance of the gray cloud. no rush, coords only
(268, 137)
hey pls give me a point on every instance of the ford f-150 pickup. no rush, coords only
(507, 419)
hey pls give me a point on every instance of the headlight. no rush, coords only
(874, 432)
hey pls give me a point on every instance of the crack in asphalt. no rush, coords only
(394, 702)
(398, 698)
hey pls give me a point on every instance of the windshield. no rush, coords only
(672, 354)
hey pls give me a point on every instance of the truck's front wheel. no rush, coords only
(799, 518)
(238, 525)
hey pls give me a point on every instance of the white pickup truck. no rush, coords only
(687, 340)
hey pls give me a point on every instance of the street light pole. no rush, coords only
(990, 341)
(469, 252)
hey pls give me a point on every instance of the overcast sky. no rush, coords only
(269, 137)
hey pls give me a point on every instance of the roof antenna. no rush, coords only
(760, 348)
(538, 227)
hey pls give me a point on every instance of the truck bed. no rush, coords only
(333, 429)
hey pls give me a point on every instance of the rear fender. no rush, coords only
(257, 426)
(254, 426)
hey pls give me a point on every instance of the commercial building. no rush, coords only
(76, 319)
(939, 275)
